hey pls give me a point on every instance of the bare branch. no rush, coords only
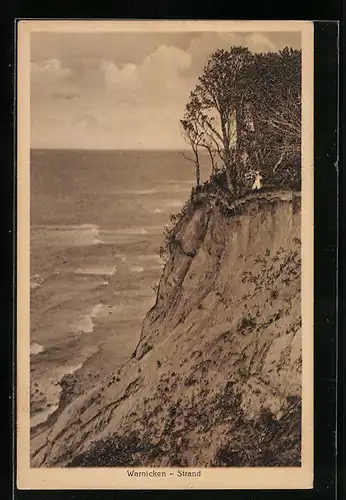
(188, 158)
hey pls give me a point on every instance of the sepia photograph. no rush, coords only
(165, 232)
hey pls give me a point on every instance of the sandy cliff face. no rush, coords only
(216, 377)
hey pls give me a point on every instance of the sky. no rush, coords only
(123, 90)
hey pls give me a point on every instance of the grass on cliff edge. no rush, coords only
(216, 185)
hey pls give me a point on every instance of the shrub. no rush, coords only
(247, 322)
(228, 457)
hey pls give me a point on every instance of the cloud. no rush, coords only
(123, 47)
(169, 58)
(160, 76)
(123, 80)
(125, 90)
(258, 42)
(53, 80)
(50, 70)
(205, 44)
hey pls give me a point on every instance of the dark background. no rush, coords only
(329, 187)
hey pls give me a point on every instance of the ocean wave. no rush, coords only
(137, 269)
(63, 227)
(36, 281)
(98, 270)
(128, 234)
(67, 235)
(174, 203)
(36, 348)
(149, 257)
(177, 183)
(85, 323)
(146, 262)
(126, 311)
(53, 390)
(34, 285)
(183, 187)
(121, 256)
(68, 370)
(134, 230)
(142, 191)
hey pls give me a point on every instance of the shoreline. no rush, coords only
(65, 397)
(66, 382)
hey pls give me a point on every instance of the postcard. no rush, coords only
(165, 255)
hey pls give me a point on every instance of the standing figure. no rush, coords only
(257, 183)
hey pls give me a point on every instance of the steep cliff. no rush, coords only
(215, 379)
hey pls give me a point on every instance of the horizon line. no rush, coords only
(106, 149)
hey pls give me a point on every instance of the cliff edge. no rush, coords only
(215, 379)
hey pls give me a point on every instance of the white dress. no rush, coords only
(257, 183)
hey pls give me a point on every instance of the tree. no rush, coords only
(273, 84)
(211, 151)
(193, 135)
(197, 134)
(220, 94)
(246, 110)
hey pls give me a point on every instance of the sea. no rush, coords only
(97, 221)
